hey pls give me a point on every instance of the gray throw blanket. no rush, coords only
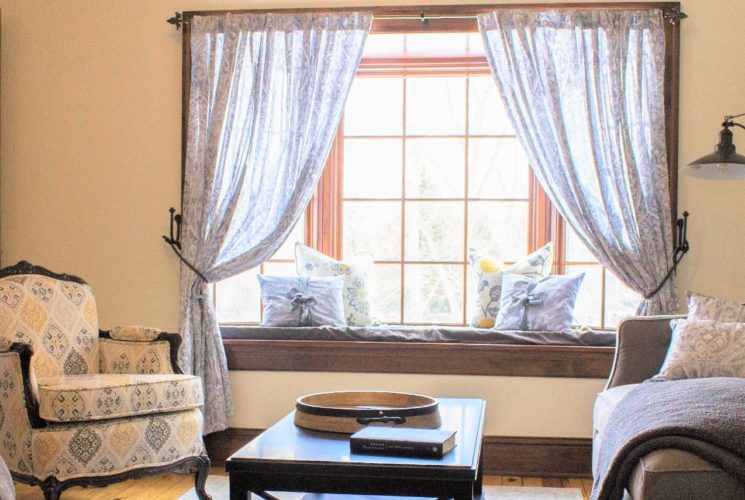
(703, 416)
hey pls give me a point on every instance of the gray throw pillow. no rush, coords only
(545, 304)
(701, 349)
(702, 306)
(300, 301)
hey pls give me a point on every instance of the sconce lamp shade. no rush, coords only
(724, 163)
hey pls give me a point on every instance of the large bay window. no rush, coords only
(425, 166)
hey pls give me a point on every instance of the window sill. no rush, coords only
(419, 358)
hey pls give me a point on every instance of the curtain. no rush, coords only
(267, 94)
(584, 90)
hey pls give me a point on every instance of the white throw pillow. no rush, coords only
(489, 273)
(538, 305)
(299, 301)
(702, 306)
(701, 349)
(357, 309)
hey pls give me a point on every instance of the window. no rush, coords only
(426, 165)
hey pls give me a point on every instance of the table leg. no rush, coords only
(479, 486)
(238, 488)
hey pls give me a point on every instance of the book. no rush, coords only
(402, 441)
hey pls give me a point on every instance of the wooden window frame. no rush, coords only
(531, 361)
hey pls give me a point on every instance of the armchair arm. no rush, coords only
(130, 344)
(641, 347)
(24, 352)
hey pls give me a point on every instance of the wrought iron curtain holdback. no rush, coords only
(681, 248)
(175, 242)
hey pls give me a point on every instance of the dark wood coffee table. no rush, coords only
(288, 458)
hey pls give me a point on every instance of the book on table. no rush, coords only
(402, 441)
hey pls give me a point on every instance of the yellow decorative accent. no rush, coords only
(186, 429)
(33, 315)
(123, 438)
(47, 450)
(89, 312)
(486, 322)
(489, 265)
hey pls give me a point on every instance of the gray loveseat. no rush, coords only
(663, 474)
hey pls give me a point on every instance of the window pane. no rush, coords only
(386, 292)
(486, 114)
(373, 168)
(287, 250)
(372, 227)
(238, 299)
(435, 168)
(576, 251)
(374, 107)
(436, 44)
(435, 106)
(620, 301)
(497, 168)
(499, 228)
(433, 293)
(386, 45)
(280, 268)
(588, 306)
(434, 230)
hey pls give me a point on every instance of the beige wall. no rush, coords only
(90, 148)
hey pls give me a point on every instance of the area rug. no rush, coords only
(217, 486)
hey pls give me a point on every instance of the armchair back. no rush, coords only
(56, 314)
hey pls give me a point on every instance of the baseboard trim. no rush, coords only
(503, 456)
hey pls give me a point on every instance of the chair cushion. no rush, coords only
(605, 403)
(66, 451)
(107, 396)
(58, 318)
(669, 473)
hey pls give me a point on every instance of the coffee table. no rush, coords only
(288, 458)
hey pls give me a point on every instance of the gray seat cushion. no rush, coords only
(664, 474)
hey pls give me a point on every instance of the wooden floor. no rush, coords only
(173, 486)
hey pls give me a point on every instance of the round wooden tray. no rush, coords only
(349, 411)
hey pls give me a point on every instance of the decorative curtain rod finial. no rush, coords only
(177, 20)
(673, 15)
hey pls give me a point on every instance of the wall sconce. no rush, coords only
(724, 163)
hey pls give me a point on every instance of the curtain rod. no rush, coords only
(672, 14)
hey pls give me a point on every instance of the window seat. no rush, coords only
(415, 333)
(419, 349)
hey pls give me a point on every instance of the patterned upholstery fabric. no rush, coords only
(58, 318)
(104, 396)
(15, 429)
(138, 413)
(119, 356)
(135, 333)
(93, 449)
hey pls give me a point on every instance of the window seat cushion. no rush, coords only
(399, 333)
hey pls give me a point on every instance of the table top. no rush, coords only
(284, 442)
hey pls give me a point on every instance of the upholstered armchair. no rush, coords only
(83, 407)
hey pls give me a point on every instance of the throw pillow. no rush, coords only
(489, 273)
(313, 263)
(545, 304)
(298, 301)
(704, 307)
(700, 349)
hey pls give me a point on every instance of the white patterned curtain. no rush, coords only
(584, 90)
(267, 94)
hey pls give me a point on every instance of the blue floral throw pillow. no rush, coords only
(545, 304)
(299, 301)
(357, 310)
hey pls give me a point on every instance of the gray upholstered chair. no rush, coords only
(81, 407)
(663, 474)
